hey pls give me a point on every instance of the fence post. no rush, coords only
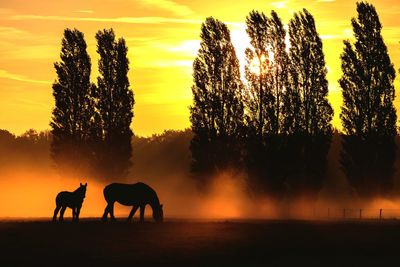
(380, 214)
(360, 214)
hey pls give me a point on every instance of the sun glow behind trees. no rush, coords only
(260, 66)
(281, 114)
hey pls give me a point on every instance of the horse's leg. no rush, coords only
(56, 212)
(106, 211)
(73, 213)
(132, 213)
(111, 210)
(62, 213)
(142, 213)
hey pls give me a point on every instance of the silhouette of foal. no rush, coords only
(136, 195)
(71, 200)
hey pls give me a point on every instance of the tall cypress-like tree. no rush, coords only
(368, 114)
(217, 112)
(266, 74)
(115, 106)
(307, 112)
(74, 109)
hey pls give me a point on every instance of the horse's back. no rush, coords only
(62, 197)
(129, 194)
(119, 187)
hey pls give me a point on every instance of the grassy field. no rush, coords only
(200, 243)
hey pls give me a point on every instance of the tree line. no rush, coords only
(276, 124)
(90, 125)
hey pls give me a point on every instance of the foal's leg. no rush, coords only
(56, 212)
(78, 210)
(142, 213)
(62, 213)
(132, 213)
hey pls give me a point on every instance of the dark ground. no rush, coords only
(189, 243)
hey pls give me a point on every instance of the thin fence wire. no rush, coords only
(352, 214)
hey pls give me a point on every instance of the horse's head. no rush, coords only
(158, 213)
(82, 190)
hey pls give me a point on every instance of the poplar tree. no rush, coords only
(114, 104)
(307, 111)
(74, 109)
(266, 75)
(368, 114)
(216, 114)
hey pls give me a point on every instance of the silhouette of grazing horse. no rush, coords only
(136, 195)
(71, 200)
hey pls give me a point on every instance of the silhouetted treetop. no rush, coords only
(367, 81)
(307, 108)
(71, 89)
(115, 97)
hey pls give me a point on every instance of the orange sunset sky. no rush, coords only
(163, 39)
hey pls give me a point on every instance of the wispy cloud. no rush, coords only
(187, 47)
(10, 32)
(5, 11)
(280, 4)
(175, 8)
(129, 20)
(32, 104)
(16, 77)
(174, 63)
(87, 11)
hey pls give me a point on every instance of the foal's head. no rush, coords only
(81, 191)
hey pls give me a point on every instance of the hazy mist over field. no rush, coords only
(30, 183)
